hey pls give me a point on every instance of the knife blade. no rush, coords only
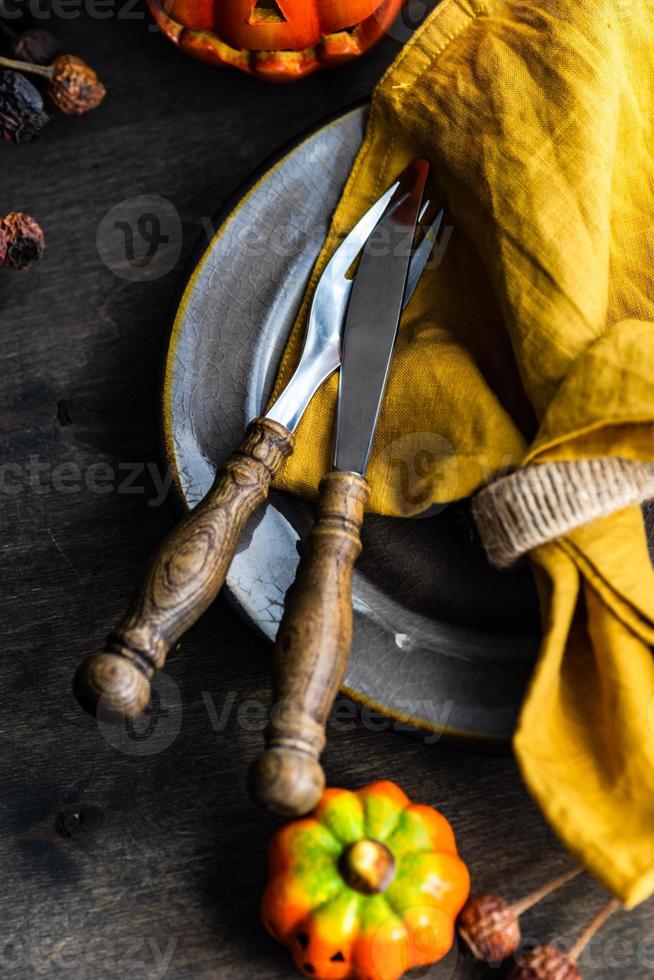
(314, 639)
(372, 320)
(186, 573)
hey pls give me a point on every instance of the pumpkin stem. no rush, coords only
(367, 866)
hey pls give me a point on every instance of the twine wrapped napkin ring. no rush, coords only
(546, 501)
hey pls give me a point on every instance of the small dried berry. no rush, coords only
(489, 928)
(544, 963)
(23, 238)
(74, 87)
(37, 46)
(21, 108)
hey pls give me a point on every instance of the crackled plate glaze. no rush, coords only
(441, 642)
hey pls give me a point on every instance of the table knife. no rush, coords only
(315, 635)
(188, 570)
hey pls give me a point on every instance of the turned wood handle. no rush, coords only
(312, 651)
(182, 578)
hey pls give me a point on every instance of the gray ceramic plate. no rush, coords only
(440, 641)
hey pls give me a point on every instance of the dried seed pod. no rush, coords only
(74, 86)
(39, 47)
(550, 963)
(21, 108)
(490, 929)
(24, 242)
(544, 963)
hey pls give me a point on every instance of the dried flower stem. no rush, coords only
(537, 896)
(490, 928)
(46, 71)
(588, 934)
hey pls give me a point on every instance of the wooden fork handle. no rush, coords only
(312, 651)
(183, 578)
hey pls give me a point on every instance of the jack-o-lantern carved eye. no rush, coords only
(267, 11)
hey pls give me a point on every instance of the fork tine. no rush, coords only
(421, 256)
(347, 252)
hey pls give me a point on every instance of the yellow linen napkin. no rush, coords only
(532, 341)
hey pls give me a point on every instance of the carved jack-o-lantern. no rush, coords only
(280, 40)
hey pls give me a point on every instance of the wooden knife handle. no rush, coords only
(182, 578)
(312, 651)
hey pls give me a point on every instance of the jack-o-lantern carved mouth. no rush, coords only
(279, 40)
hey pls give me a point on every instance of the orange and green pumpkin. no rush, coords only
(280, 40)
(365, 888)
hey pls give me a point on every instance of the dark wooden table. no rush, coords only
(145, 858)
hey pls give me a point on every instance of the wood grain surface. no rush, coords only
(136, 852)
